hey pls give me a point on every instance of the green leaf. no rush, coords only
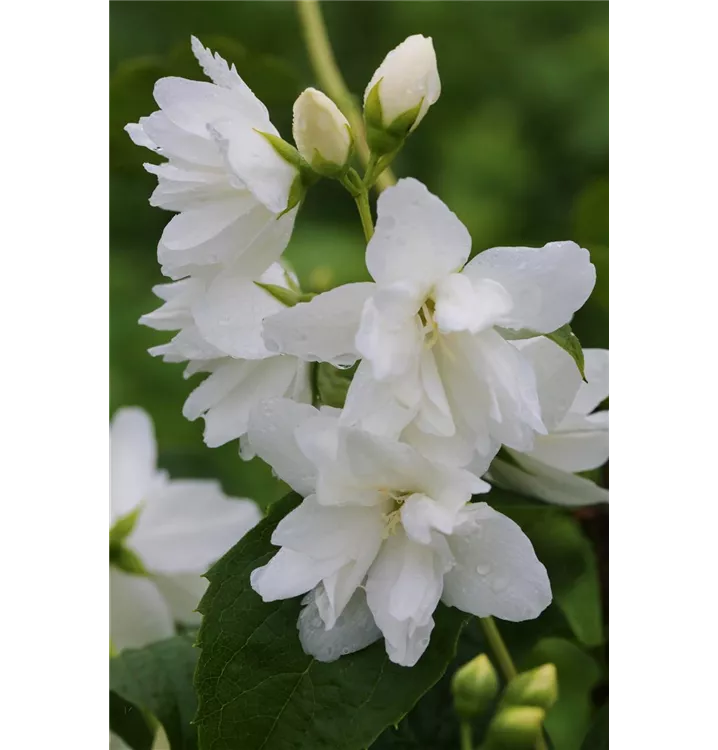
(158, 679)
(569, 557)
(597, 737)
(569, 342)
(130, 724)
(578, 674)
(333, 383)
(258, 689)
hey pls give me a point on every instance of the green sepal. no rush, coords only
(562, 336)
(284, 149)
(126, 560)
(327, 168)
(515, 728)
(122, 528)
(474, 687)
(380, 140)
(373, 114)
(537, 687)
(288, 297)
(401, 126)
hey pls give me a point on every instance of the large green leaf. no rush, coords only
(597, 737)
(158, 679)
(258, 689)
(569, 557)
(129, 723)
(578, 673)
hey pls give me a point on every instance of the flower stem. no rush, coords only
(367, 223)
(467, 742)
(503, 657)
(331, 80)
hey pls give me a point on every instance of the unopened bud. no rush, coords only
(400, 93)
(474, 686)
(322, 133)
(537, 687)
(515, 728)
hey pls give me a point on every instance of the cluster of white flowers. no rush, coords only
(452, 367)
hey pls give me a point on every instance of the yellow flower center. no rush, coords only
(392, 519)
(428, 325)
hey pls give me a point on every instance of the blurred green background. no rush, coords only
(517, 146)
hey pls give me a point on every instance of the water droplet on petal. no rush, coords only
(483, 569)
(499, 583)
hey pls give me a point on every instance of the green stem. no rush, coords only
(503, 657)
(367, 223)
(467, 742)
(331, 80)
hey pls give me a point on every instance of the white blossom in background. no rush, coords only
(407, 78)
(577, 442)
(436, 368)
(175, 529)
(224, 179)
(382, 536)
(321, 132)
(221, 334)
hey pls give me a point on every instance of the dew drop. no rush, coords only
(483, 569)
(345, 651)
(499, 584)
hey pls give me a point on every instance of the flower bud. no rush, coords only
(515, 728)
(474, 686)
(322, 133)
(400, 93)
(537, 687)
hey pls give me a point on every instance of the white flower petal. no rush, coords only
(420, 515)
(593, 392)
(255, 162)
(271, 434)
(403, 588)
(434, 415)
(497, 572)
(188, 525)
(230, 314)
(216, 68)
(417, 238)
(182, 593)
(227, 397)
(515, 411)
(547, 284)
(463, 305)
(329, 532)
(138, 613)
(175, 313)
(354, 630)
(133, 460)
(389, 335)
(373, 405)
(580, 444)
(552, 485)
(557, 377)
(177, 144)
(193, 105)
(322, 330)
(289, 574)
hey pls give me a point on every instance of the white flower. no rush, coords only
(578, 441)
(222, 176)
(382, 536)
(408, 78)
(435, 363)
(321, 132)
(172, 530)
(220, 321)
